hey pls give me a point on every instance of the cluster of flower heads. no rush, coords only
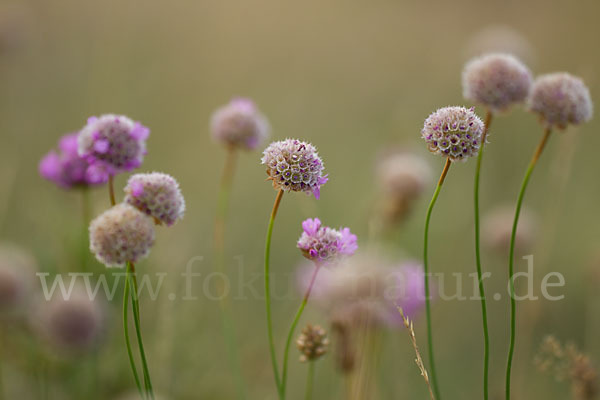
(496, 81)
(156, 194)
(453, 132)
(293, 165)
(560, 99)
(312, 343)
(239, 124)
(325, 245)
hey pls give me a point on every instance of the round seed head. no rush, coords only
(453, 132)
(496, 81)
(156, 194)
(239, 124)
(293, 165)
(323, 244)
(312, 343)
(561, 99)
(121, 234)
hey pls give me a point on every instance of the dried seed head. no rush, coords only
(17, 274)
(156, 194)
(323, 244)
(113, 142)
(239, 124)
(293, 165)
(453, 132)
(496, 81)
(312, 343)
(560, 99)
(121, 234)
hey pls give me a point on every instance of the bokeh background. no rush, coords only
(354, 78)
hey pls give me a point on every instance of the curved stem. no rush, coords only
(511, 283)
(486, 336)
(126, 331)
(111, 190)
(138, 331)
(426, 268)
(268, 289)
(309, 380)
(290, 335)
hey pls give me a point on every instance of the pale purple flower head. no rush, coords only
(156, 194)
(496, 81)
(239, 124)
(561, 99)
(323, 244)
(113, 142)
(67, 169)
(293, 165)
(453, 132)
(407, 293)
(121, 234)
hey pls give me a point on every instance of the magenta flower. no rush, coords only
(67, 169)
(323, 244)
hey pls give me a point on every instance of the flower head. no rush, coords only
(323, 244)
(113, 142)
(239, 124)
(293, 165)
(67, 169)
(121, 234)
(312, 343)
(453, 132)
(496, 81)
(156, 194)
(561, 99)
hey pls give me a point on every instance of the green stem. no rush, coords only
(227, 321)
(486, 336)
(290, 335)
(126, 331)
(138, 331)
(111, 190)
(511, 283)
(86, 216)
(309, 380)
(426, 270)
(268, 289)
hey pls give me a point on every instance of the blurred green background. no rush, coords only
(353, 77)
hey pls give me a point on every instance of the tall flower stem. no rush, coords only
(126, 331)
(426, 268)
(111, 190)
(227, 320)
(138, 331)
(511, 283)
(86, 212)
(290, 335)
(268, 288)
(486, 336)
(309, 380)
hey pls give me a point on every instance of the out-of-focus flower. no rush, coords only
(453, 132)
(114, 143)
(67, 169)
(312, 343)
(121, 234)
(17, 277)
(239, 124)
(325, 245)
(497, 229)
(496, 81)
(561, 99)
(293, 165)
(156, 194)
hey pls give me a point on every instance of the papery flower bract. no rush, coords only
(293, 165)
(560, 99)
(239, 124)
(121, 234)
(323, 244)
(156, 194)
(312, 343)
(67, 169)
(453, 132)
(496, 81)
(113, 142)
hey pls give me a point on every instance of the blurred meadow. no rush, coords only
(355, 78)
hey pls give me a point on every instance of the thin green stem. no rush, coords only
(111, 190)
(511, 283)
(138, 331)
(486, 336)
(309, 380)
(290, 335)
(85, 216)
(434, 381)
(227, 321)
(126, 331)
(268, 289)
